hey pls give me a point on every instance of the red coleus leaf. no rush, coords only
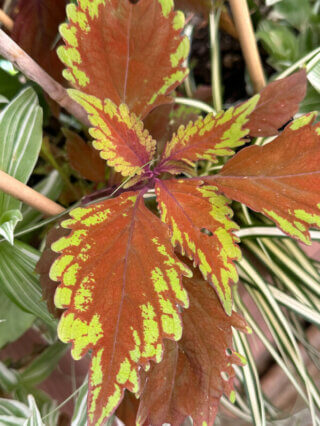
(163, 121)
(208, 137)
(278, 103)
(84, 158)
(129, 53)
(127, 411)
(120, 282)
(280, 179)
(119, 134)
(200, 226)
(36, 29)
(196, 371)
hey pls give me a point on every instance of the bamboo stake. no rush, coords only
(6, 20)
(22, 192)
(22, 61)
(241, 16)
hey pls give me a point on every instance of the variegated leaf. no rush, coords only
(280, 179)
(208, 137)
(119, 135)
(200, 225)
(120, 282)
(129, 52)
(196, 371)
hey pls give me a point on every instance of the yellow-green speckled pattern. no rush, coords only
(280, 179)
(126, 68)
(119, 135)
(199, 221)
(211, 136)
(121, 285)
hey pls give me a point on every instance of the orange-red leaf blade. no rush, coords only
(119, 135)
(201, 227)
(190, 381)
(280, 179)
(120, 303)
(35, 29)
(278, 103)
(84, 158)
(129, 53)
(209, 137)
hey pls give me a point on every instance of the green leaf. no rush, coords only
(3, 100)
(272, 2)
(79, 417)
(19, 281)
(15, 321)
(43, 365)
(251, 380)
(8, 222)
(296, 12)
(314, 72)
(35, 417)
(20, 143)
(13, 413)
(311, 102)
(9, 84)
(14, 408)
(8, 378)
(280, 42)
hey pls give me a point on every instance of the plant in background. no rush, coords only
(144, 269)
(291, 34)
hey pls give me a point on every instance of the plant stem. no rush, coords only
(269, 231)
(214, 18)
(24, 193)
(297, 64)
(241, 16)
(23, 62)
(6, 20)
(196, 104)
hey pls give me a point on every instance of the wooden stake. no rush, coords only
(241, 17)
(6, 20)
(23, 62)
(24, 193)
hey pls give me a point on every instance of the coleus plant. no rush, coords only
(140, 283)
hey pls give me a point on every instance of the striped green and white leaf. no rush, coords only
(20, 143)
(13, 412)
(34, 418)
(8, 378)
(14, 321)
(42, 366)
(270, 348)
(19, 281)
(251, 380)
(313, 72)
(271, 2)
(282, 334)
(8, 221)
(79, 417)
